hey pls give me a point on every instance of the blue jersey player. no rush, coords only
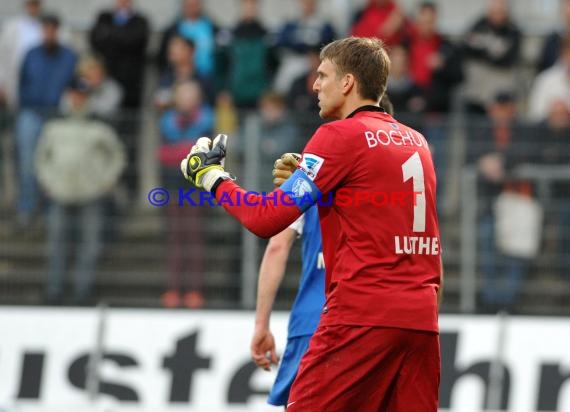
(306, 310)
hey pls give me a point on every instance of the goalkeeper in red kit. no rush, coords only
(377, 344)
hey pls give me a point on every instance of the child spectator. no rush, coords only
(180, 127)
(105, 94)
(181, 68)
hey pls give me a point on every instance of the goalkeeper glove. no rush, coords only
(284, 167)
(204, 165)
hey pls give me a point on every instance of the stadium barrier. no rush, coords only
(169, 361)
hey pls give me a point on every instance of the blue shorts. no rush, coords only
(294, 351)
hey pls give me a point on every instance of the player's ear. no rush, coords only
(347, 83)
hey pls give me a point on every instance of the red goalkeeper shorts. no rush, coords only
(368, 369)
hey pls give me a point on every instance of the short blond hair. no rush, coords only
(366, 59)
(88, 62)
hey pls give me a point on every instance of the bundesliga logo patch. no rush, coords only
(311, 164)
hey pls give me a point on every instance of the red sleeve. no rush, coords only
(327, 158)
(326, 161)
(264, 216)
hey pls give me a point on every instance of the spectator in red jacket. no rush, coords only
(435, 69)
(383, 19)
(435, 66)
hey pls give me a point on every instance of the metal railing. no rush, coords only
(543, 177)
(133, 270)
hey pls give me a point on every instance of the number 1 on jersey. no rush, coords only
(413, 169)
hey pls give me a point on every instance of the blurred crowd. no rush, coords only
(75, 118)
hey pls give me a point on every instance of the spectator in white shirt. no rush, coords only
(551, 85)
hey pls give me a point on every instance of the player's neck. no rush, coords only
(354, 103)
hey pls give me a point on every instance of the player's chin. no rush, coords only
(325, 114)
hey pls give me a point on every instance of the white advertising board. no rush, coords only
(173, 361)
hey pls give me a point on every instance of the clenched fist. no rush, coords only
(284, 167)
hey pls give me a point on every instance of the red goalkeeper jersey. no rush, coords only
(375, 185)
(380, 232)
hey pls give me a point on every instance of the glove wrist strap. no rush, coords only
(213, 178)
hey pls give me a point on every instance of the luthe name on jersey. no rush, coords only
(416, 245)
